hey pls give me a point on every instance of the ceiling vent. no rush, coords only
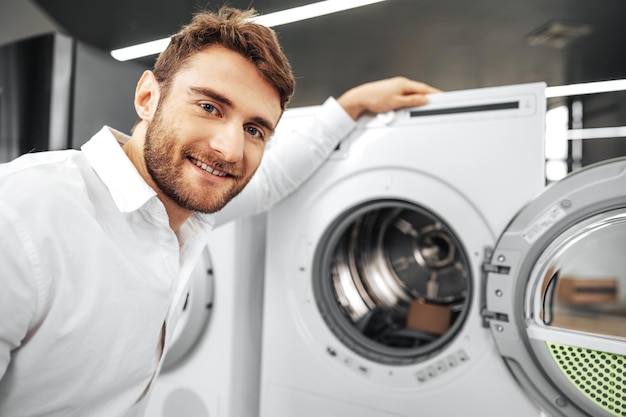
(558, 34)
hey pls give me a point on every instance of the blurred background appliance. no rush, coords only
(213, 367)
(56, 92)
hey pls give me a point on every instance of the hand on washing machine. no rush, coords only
(385, 95)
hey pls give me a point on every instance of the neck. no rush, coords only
(176, 215)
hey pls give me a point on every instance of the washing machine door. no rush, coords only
(195, 313)
(555, 294)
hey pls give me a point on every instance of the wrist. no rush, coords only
(351, 104)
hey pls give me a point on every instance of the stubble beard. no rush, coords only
(165, 162)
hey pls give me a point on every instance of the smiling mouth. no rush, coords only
(207, 168)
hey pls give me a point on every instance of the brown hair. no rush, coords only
(232, 29)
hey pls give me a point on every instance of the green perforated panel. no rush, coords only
(600, 376)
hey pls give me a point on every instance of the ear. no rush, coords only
(146, 96)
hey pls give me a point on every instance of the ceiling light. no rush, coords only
(140, 50)
(586, 88)
(310, 11)
(282, 17)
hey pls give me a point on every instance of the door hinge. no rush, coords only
(487, 316)
(487, 268)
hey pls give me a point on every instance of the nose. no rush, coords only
(228, 141)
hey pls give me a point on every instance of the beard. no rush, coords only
(167, 162)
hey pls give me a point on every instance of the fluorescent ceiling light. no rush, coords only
(139, 50)
(597, 133)
(283, 17)
(310, 11)
(585, 88)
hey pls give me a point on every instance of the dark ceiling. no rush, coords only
(452, 44)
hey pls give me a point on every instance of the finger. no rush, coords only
(411, 100)
(408, 86)
(419, 87)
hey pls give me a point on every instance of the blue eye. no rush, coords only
(209, 108)
(253, 131)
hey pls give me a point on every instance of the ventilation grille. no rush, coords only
(600, 376)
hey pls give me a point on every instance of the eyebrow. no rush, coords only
(207, 92)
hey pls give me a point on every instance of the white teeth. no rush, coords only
(208, 168)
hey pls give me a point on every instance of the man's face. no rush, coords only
(209, 133)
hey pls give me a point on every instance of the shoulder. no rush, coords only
(37, 162)
(43, 177)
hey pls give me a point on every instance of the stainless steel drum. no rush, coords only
(392, 281)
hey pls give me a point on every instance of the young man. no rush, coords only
(98, 244)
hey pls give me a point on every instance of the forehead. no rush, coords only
(234, 77)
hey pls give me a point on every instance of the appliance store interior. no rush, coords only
(461, 258)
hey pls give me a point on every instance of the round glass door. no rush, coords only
(392, 281)
(581, 279)
(556, 294)
(580, 288)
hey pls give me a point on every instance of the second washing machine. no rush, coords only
(212, 368)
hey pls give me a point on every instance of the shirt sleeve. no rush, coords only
(18, 289)
(290, 160)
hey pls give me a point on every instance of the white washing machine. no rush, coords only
(212, 368)
(375, 279)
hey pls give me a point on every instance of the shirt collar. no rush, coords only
(105, 154)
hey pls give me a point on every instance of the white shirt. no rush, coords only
(90, 272)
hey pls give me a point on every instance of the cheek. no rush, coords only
(253, 153)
